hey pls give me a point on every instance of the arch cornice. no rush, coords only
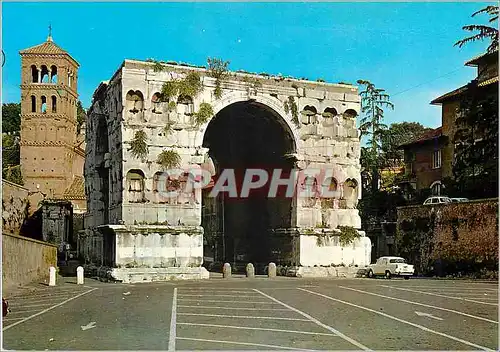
(272, 103)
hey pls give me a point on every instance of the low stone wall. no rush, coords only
(25, 260)
(448, 238)
(15, 207)
(325, 250)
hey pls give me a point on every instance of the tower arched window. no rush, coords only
(43, 108)
(53, 74)
(54, 104)
(33, 103)
(34, 74)
(45, 74)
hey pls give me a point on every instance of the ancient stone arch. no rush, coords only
(270, 102)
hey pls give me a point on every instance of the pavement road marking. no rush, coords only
(55, 295)
(450, 288)
(7, 319)
(217, 301)
(259, 328)
(421, 314)
(234, 296)
(207, 291)
(234, 308)
(171, 342)
(329, 328)
(241, 316)
(243, 343)
(47, 309)
(421, 304)
(29, 306)
(88, 326)
(438, 295)
(400, 320)
(23, 311)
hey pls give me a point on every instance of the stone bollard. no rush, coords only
(271, 270)
(52, 276)
(79, 275)
(226, 271)
(250, 270)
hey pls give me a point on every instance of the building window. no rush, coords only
(436, 159)
(33, 103)
(135, 186)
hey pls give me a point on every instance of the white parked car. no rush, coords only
(459, 200)
(437, 200)
(390, 266)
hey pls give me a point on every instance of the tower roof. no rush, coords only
(47, 48)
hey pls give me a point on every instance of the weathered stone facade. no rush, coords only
(257, 121)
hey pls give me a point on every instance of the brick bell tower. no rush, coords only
(49, 97)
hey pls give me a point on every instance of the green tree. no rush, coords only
(81, 116)
(11, 169)
(11, 117)
(485, 32)
(373, 102)
(475, 168)
(396, 135)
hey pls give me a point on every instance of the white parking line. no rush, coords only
(234, 296)
(207, 291)
(234, 308)
(11, 305)
(47, 309)
(23, 311)
(420, 304)
(243, 344)
(241, 316)
(173, 327)
(400, 320)
(259, 329)
(217, 301)
(47, 300)
(438, 295)
(329, 328)
(8, 319)
(449, 288)
(55, 295)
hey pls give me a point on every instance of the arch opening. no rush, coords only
(240, 228)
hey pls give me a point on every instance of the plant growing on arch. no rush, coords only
(204, 114)
(138, 146)
(168, 159)
(218, 69)
(373, 102)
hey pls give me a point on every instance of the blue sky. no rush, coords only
(397, 46)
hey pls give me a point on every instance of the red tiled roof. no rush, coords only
(76, 190)
(449, 95)
(475, 60)
(432, 134)
(47, 48)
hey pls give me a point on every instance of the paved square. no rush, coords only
(257, 314)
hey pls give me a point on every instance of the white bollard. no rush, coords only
(226, 271)
(79, 275)
(271, 270)
(52, 276)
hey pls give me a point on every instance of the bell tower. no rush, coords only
(49, 98)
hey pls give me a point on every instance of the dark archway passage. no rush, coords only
(242, 136)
